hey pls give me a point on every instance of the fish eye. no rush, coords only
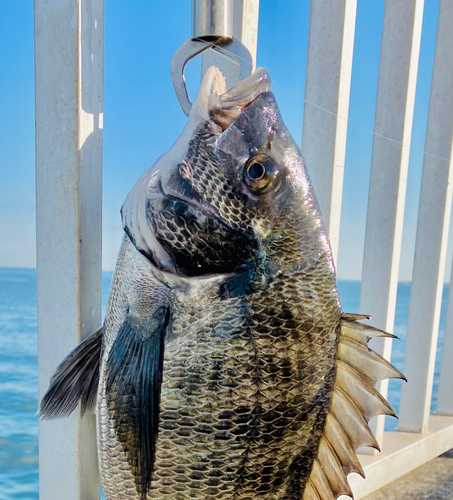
(260, 173)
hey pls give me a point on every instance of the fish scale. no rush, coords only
(132, 280)
(202, 398)
(225, 353)
(209, 179)
(296, 354)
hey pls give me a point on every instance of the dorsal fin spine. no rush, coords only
(354, 402)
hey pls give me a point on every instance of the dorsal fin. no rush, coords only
(354, 402)
(332, 468)
(366, 361)
(320, 482)
(367, 399)
(354, 317)
(360, 332)
(338, 439)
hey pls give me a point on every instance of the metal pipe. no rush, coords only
(212, 19)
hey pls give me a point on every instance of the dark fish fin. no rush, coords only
(76, 379)
(134, 377)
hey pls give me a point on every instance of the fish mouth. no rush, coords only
(221, 107)
(163, 195)
(224, 106)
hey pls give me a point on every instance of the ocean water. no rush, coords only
(19, 377)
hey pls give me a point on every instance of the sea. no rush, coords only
(19, 474)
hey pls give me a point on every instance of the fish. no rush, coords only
(226, 368)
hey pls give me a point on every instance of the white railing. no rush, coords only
(432, 435)
(69, 61)
(330, 49)
(432, 235)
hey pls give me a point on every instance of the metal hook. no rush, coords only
(231, 48)
(212, 28)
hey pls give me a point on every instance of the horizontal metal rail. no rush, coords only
(401, 453)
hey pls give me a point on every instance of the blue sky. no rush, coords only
(142, 117)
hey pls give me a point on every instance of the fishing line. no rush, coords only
(224, 53)
(235, 58)
(407, 146)
(439, 157)
(326, 110)
(391, 140)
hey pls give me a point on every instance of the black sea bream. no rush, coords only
(226, 368)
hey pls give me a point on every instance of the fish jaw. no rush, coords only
(211, 115)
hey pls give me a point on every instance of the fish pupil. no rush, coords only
(256, 171)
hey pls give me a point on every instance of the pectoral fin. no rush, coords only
(76, 379)
(134, 377)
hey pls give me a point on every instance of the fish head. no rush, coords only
(233, 191)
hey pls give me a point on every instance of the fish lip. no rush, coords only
(246, 90)
(226, 108)
(222, 106)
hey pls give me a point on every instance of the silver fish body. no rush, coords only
(227, 369)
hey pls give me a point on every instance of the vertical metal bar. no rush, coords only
(400, 51)
(245, 25)
(245, 29)
(69, 89)
(445, 395)
(327, 88)
(432, 233)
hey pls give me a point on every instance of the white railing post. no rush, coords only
(400, 50)
(327, 88)
(69, 90)
(432, 235)
(445, 395)
(245, 29)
